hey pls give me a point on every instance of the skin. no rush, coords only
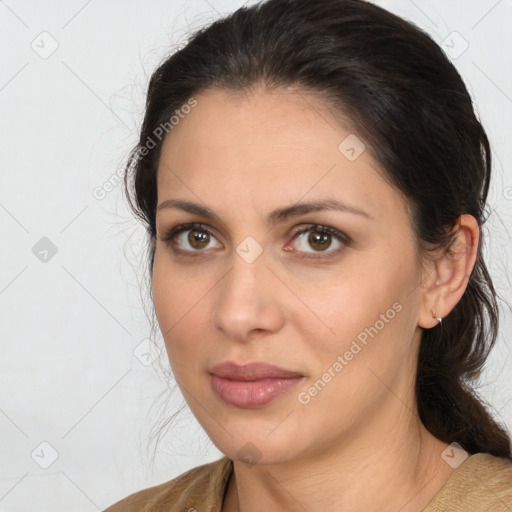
(358, 445)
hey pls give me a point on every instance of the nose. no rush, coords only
(248, 301)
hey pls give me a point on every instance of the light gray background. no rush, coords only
(71, 323)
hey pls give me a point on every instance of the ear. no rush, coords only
(448, 278)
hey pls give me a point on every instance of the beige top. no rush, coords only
(482, 483)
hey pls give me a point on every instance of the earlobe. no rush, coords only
(451, 273)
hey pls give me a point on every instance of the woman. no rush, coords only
(313, 179)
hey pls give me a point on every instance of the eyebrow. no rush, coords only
(275, 216)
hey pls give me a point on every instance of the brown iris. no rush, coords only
(319, 241)
(198, 239)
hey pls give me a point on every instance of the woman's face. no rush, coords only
(339, 312)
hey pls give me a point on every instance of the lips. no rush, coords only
(252, 385)
(253, 371)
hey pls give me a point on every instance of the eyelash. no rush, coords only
(169, 235)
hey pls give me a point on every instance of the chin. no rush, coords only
(257, 448)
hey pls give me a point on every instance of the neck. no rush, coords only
(394, 467)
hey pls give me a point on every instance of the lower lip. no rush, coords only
(247, 394)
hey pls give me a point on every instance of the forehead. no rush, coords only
(259, 117)
(269, 148)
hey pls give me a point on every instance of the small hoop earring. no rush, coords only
(439, 319)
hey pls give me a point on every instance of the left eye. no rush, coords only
(320, 239)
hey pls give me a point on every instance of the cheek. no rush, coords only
(178, 308)
(369, 346)
(164, 289)
(362, 305)
(177, 292)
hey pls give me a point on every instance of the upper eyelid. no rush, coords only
(187, 226)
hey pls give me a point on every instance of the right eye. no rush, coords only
(195, 235)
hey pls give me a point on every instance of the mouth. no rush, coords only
(252, 385)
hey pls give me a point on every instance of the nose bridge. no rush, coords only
(247, 298)
(247, 274)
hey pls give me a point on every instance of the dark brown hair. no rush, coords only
(410, 105)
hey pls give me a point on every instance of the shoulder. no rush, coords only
(482, 483)
(200, 488)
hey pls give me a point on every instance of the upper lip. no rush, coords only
(251, 371)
